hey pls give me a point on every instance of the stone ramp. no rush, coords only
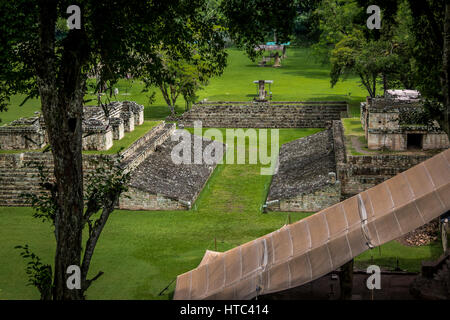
(146, 145)
(265, 115)
(158, 183)
(303, 181)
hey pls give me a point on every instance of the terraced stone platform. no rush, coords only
(265, 115)
(157, 183)
(160, 184)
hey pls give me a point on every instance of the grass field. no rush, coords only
(299, 78)
(142, 252)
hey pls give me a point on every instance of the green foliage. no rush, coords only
(249, 22)
(373, 55)
(39, 274)
(106, 183)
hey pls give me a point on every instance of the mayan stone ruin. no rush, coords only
(286, 114)
(306, 178)
(386, 125)
(99, 130)
(156, 184)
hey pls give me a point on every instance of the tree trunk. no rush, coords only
(61, 92)
(446, 70)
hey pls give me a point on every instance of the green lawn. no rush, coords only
(299, 78)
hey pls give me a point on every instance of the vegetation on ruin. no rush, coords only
(128, 139)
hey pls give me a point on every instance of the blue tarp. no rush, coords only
(272, 43)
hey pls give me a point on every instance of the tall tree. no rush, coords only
(112, 41)
(431, 30)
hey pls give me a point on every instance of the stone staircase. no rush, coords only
(19, 174)
(360, 173)
(146, 145)
(265, 115)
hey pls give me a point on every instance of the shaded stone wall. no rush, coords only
(19, 174)
(386, 123)
(360, 173)
(264, 115)
(314, 201)
(136, 199)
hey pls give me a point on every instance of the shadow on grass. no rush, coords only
(159, 112)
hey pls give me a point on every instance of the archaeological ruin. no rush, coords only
(273, 114)
(388, 124)
(100, 127)
(314, 172)
(156, 182)
(306, 177)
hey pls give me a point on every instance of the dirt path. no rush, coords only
(357, 145)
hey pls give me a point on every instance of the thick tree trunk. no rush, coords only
(61, 92)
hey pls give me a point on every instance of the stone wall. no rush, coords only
(360, 173)
(160, 184)
(19, 174)
(306, 178)
(264, 115)
(99, 127)
(24, 133)
(156, 182)
(136, 199)
(314, 201)
(386, 123)
(97, 135)
(391, 141)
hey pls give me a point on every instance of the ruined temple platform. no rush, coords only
(158, 183)
(306, 177)
(286, 114)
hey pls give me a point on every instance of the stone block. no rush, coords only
(117, 126)
(128, 120)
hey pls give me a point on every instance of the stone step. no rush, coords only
(144, 150)
(376, 171)
(142, 140)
